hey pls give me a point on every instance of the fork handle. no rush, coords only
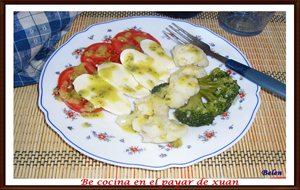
(259, 78)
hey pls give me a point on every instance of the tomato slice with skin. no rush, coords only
(92, 56)
(67, 93)
(80, 107)
(98, 53)
(65, 77)
(90, 67)
(130, 39)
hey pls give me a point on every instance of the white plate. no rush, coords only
(103, 140)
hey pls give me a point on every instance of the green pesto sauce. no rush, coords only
(185, 80)
(86, 125)
(177, 143)
(128, 128)
(160, 125)
(139, 38)
(78, 70)
(142, 119)
(96, 115)
(89, 53)
(101, 51)
(127, 34)
(128, 89)
(56, 94)
(159, 50)
(71, 96)
(150, 83)
(194, 50)
(101, 92)
(122, 39)
(107, 72)
(139, 87)
(142, 67)
(164, 137)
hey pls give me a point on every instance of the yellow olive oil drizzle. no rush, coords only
(96, 115)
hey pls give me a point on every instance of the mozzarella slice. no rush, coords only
(143, 68)
(119, 77)
(154, 50)
(101, 94)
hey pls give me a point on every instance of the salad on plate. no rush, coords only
(129, 96)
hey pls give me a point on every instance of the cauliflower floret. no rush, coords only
(183, 84)
(144, 107)
(152, 105)
(158, 130)
(191, 70)
(189, 54)
(150, 120)
(180, 90)
(125, 121)
(175, 130)
(149, 127)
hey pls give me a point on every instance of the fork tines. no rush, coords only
(173, 37)
(181, 36)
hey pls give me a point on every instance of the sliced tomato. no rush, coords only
(65, 78)
(92, 56)
(130, 39)
(81, 107)
(67, 93)
(98, 53)
(90, 67)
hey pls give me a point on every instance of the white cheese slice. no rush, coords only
(143, 68)
(119, 77)
(102, 94)
(162, 59)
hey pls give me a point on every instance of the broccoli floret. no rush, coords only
(217, 92)
(194, 113)
(160, 90)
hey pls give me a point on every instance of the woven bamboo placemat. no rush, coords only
(40, 153)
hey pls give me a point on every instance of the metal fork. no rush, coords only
(181, 36)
